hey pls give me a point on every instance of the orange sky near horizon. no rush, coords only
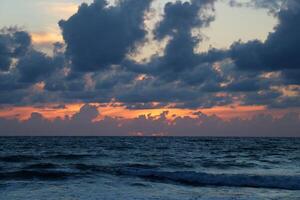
(50, 112)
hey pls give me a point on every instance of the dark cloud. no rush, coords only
(286, 102)
(247, 56)
(83, 123)
(99, 35)
(180, 75)
(8, 82)
(291, 76)
(24, 67)
(179, 19)
(36, 66)
(244, 86)
(86, 114)
(176, 77)
(12, 97)
(13, 43)
(22, 41)
(261, 97)
(155, 91)
(113, 78)
(248, 82)
(281, 49)
(279, 53)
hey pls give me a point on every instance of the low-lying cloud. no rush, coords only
(83, 124)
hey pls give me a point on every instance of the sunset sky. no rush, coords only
(150, 67)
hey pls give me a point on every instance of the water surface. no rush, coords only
(145, 168)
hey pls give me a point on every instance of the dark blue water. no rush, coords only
(149, 168)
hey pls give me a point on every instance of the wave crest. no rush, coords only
(231, 180)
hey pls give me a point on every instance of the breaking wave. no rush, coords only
(230, 180)
(196, 178)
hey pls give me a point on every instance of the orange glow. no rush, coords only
(48, 112)
(52, 111)
(42, 38)
(125, 113)
(227, 112)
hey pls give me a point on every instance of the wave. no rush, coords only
(17, 158)
(197, 178)
(26, 158)
(230, 180)
(139, 165)
(69, 156)
(90, 168)
(36, 174)
(115, 167)
(48, 171)
(226, 164)
(41, 166)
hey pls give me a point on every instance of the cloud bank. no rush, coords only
(83, 124)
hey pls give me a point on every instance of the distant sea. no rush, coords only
(149, 168)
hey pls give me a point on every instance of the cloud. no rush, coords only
(92, 65)
(8, 82)
(23, 67)
(272, 5)
(179, 74)
(279, 51)
(179, 19)
(86, 114)
(291, 76)
(36, 66)
(121, 83)
(13, 43)
(82, 123)
(99, 35)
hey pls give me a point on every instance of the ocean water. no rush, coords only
(149, 168)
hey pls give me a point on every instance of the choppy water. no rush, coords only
(112, 168)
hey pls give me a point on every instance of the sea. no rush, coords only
(149, 168)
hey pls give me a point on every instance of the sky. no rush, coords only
(152, 67)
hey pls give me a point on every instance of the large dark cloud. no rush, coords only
(180, 74)
(99, 35)
(179, 19)
(278, 54)
(281, 49)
